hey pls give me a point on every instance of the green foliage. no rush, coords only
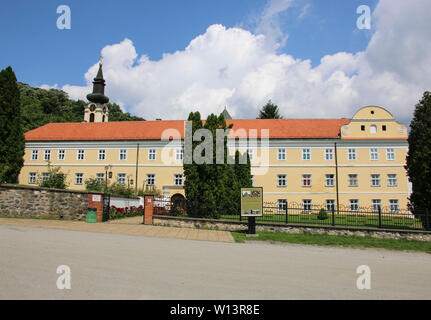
(93, 184)
(11, 134)
(419, 157)
(119, 213)
(150, 190)
(121, 190)
(269, 111)
(212, 189)
(40, 106)
(56, 180)
(323, 215)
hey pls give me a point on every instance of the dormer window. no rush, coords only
(373, 129)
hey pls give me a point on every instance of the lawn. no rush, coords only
(332, 240)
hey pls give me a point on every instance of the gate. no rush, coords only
(106, 206)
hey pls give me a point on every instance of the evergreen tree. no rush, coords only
(269, 111)
(242, 177)
(419, 157)
(11, 133)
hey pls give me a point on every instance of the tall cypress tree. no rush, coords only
(419, 157)
(12, 140)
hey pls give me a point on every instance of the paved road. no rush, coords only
(109, 266)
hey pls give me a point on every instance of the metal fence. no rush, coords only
(321, 215)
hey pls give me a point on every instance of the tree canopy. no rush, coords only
(269, 111)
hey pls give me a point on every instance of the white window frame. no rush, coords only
(329, 154)
(394, 205)
(329, 204)
(101, 155)
(34, 155)
(392, 153)
(79, 179)
(374, 154)
(329, 179)
(392, 177)
(306, 154)
(100, 177)
(122, 156)
(47, 155)
(356, 179)
(45, 176)
(307, 205)
(179, 154)
(351, 154)
(307, 177)
(151, 177)
(376, 178)
(80, 153)
(375, 203)
(32, 178)
(250, 153)
(178, 179)
(282, 205)
(280, 178)
(354, 205)
(152, 154)
(121, 179)
(281, 154)
(61, 155)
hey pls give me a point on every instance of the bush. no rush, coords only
(322, 215)
(56, 180)
(93, 184)
(118, 213)
(120, 190)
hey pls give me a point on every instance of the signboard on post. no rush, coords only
(252, 202)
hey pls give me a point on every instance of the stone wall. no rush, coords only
(242, 226)
(34, 202)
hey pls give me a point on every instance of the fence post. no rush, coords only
(427, 219)
(380, 216)
(148, 209)
(287, 219)
(333, 216)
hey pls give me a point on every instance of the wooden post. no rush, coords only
(148, 209)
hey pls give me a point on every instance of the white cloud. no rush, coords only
(235, 67)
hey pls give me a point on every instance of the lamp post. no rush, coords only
(107, 168)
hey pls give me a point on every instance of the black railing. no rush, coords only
(316, 215)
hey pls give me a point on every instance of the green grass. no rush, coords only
(365, 221)
(332, 240)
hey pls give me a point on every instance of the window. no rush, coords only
(102, 154)
(178, 179)
(390, 154)
(151, 179)
(281, 180)
(100, 177)
(123, 154)
(394, 205)
(79, 177)
(61, 154)
(384, 128)
(179, 153)
(45, 176)
(373, 129)
(306, 154)
(252, 180)
(281, 154)
(306, 180)
(330, 205)
(377, 205)
(34, 154)
(250, 153)
(307, 205)
(375, 180)
(330, 180)
(362, 128)
(329, 154)
(32, 178)
(374, 154)
(81, 154)
(392, 180)
(282, 205)
(352, 154)
(47, 155)
(353, 180)
(121, 179)
(152, 154)
(354, 205)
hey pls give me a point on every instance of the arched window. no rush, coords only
(103, 119)
(373, 129)
(91, 117)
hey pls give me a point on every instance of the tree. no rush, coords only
(56, 180)
(419, 157)
(269, 111)
(12, 141)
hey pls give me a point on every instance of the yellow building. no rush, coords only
(303, 161)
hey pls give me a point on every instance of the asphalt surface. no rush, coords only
(109, 266)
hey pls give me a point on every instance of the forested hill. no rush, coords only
(40, 106)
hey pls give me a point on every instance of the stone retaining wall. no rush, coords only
(241, 226)
(33, 202)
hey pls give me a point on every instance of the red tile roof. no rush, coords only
(152, 130)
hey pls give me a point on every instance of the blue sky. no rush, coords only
(40, 53)
(307, 56)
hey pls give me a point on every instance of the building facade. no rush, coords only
(356, 162)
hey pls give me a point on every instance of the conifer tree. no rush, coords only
(11, 133)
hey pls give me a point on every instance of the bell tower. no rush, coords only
(97, 110)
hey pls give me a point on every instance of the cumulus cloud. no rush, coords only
(235, 67)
